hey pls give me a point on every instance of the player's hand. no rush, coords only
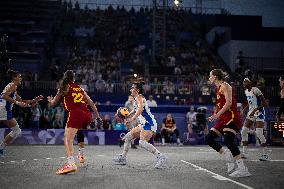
(99, 121)
(213, 117)
(38, 98)
(49, 99)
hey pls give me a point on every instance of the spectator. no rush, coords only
(48, 114)
(118, 123)
(169, 128)
(151, 102)
(191, 121)
(107, 125)
(35, 116)
(201, 121)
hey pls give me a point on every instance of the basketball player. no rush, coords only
(228, 124)
(8, 99)
(79, 116)
(256, 114)
(145, 128)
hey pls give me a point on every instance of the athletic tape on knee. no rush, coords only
(244, 134)
(16, 131)
(147, 146)
(260, 135)
(128, 137)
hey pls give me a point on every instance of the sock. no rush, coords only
(178, 140)
(245, 149)
(240, 163)
(81, 151)
(70, 160)
(163, 140)
(264, 150)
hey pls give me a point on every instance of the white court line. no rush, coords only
(48, 158)
(12, 161)
(35, 159)
(217, 176)
(100, 155)
(273, 160)
(62, 157)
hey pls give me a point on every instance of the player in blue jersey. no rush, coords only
(145, 129)
(256, 114)
(8, 99)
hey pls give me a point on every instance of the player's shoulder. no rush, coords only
(225, 86)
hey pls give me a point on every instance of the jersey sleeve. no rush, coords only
(257, 92)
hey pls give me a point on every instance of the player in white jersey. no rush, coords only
(145, 129)
(256, 114)
(8, 98)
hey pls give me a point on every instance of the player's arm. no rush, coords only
(139, 110)
(227, 90)
(33, 101)
(53, 101)
(262, 99)
(244, 109)
(92, 104)
(6, 96)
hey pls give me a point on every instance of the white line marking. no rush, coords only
(100, 155)
(48, 158)
(12, 161)
(2, 162)
(24, 160)
(217, 176)
(35, 159)
(273, 160)
(62, 157)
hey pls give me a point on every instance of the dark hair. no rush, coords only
(12, 74)
(220, 74)
(282, 77)
(139, 82)
(67, 79)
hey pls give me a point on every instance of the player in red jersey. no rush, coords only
(79, 116)
(228, 124)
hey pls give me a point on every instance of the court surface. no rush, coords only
(195, 167)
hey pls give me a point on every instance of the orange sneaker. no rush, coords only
(67, 168)
(81, 158)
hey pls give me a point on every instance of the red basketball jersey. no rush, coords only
(230, 115)
(74, 99)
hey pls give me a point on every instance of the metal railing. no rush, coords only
(187, 89)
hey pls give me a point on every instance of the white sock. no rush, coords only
(149, 147)
(240, 163)
(245, 149)
(264, 150)
(163, 140)
(81, 151)
(70, 160)
(126, 148)
(178, 140)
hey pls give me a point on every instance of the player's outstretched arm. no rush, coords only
(6, 96)
(92, 104)
(53, 101)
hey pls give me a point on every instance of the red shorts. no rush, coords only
(228, 123)
(79, 119)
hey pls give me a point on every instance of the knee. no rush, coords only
(229, 139)
(80, 136)
(128, 137)
(244, 133)
(210, 137)
(260, 135)
(16, 131)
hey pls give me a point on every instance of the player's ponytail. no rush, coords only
(139, 83)
(220, 74)
(12, 74)
(68, 78)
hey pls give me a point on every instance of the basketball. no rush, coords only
(122, 112)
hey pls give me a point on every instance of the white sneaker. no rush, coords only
(244, 155)
(161, 161)
(264, 157)
(119, 160)
(240, 172)
(231, 167)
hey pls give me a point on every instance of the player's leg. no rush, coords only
(244, 133)
(70, 166)
(230, 132)
(81, 145)
(15, 132)
(145, 136)
(132, 134)
(260, 136)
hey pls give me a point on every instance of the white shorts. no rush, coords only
(148, 125)
(258, 116)
(4, 114)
